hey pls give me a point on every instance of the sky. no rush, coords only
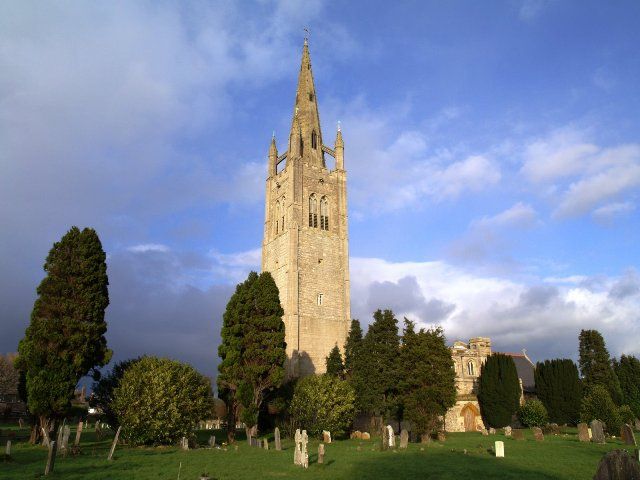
(492, 152)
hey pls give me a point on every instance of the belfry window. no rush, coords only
(470, 368)
(324, 213)
(313, 211)
(314, 140)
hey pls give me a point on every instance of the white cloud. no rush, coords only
(531, 9)
(519, 215)
(608, 212)
(148, 247)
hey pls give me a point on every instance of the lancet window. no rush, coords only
(313, 211)
(314, 140)
(324, 213)
(470, 368)
(277, 215)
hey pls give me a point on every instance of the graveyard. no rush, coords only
(460, 455)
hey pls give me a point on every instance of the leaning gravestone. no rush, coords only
(51, 458)
(507, 431)
(297, 453)
(597, 432)
(537, 434)
(321, 453)
(326, 436)
(404, 438)
(276, 435)
(583, 432)
(305, 452)
(78, 434)
(517, 434)
(618, 465)
(626, 432)
(114, 443)
(499, 447)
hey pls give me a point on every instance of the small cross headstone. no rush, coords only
(7, 451)
(499, 447)
(114, 443)
(583, 432)
(265, 443)
(617, 465)
(326, 436)
(305, 452)
(297, 453)
(537, 434)
(78, 434)
(507, 431)
(321, 453)
(404, 438)
(276, 434)
(597, 432)
(626, 432)
(51, 458)
(517, 434)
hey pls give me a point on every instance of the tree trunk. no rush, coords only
(231, 425)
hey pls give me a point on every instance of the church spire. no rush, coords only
(306, 121)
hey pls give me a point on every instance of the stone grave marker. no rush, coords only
(7, 451)
(507, 431)
(618, 465)
(20, 422)
(249, 441)
(365, 436)
(276, 434)
(51, 458)
(184, 443)
(305, 452)
(442, 436)
(357, 434)
(626, 433)
(485, 432)
(321, 453)
(537, 434)
(78, 434)
(404, 438)
(391, 437)
(492, 431)
(265, 444)
(212, 441)
(297, 453)
(384, 438)
(583, 432)
(636, 424)
(114, 443)
(590, 434)
(326, 436)
(597, 432)
(499, 447)
(517, 434)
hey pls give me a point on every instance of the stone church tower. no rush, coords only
(305, 245)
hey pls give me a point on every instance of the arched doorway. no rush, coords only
(469, 413)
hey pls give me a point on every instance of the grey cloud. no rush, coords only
(626, 286)
(539, 296)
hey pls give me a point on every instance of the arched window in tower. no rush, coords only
(277, 215)
(313, 211)
(324, 213)
(314, 140)
(470, 368)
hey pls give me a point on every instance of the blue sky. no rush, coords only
(492, 150)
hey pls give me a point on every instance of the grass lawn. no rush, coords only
(558, 457)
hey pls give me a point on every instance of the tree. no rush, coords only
(334, 363)
(378, 374)
(9, 376)
(159, 401)
(628, 372)
(323, 402)
(533, 414)
(427, 387)
(104, 388)
(596, 366)
(597, 404)
(499, 390)
(559, 388)
(253, 350)
(65, 338)
(352, 347)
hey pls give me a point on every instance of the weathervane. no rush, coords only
(307, 35)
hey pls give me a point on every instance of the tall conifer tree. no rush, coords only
(559, 388)
(352, 347)
(627, 370)
(596, 366)
(499, 390)
(335, 367)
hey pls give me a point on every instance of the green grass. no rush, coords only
(558, 457)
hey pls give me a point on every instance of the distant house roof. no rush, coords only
(525, 368)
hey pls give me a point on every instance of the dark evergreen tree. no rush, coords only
(628, 372)
(427, 385)
(559, 388)
(65, 338)
(499, 390)
(335, 367)
(103, 389)
(596, 366)
(352, 347)
(253, 350)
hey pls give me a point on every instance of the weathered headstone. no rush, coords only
(384, 438)
(184, 443)
(537, 434)
(326, 436)
(7, 451)
(212, 441)
(626, 433)
(636, 424)
(618, 465)
(492, 431)
(517, 434)
(321, 453)
(20, 422)
(499, 447)
(78, 434)
(51, 458)
(583, 432)
(485, 432)
(114, 443)
(507, 431)
(404, 438)
(297, 453)
(365, 436)
(276, 435)
(305, 452)
(597, 432)
(391, 437)
(357, 434)
(265, 444)
(442, 436)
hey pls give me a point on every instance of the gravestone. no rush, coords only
(404, 438)
(51, 458)
(249, 441)
(276, 434)
(618, 465)
(492, 431)
(7, 451)
(384, 439)
(78, 434)
(305, 452)
(365, 436)
(626, 433)
(442, 436)
(537, 434)
(321, 453)
(391, 437)
(297, 453)
(20, 423)
(597, 432)
(184, 443)
(583, 432)
(507, 431)
(499, 447)
(357, 434)
(265, 444)
(553, 429)
(517, 434)
(212, 441)
(485, 432)
(114, 443)
(326, 436)
(636, 424)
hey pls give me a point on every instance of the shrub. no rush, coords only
(499, 390)
(323, 402)
(533, 414)
(598, 405)
(159, 401)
